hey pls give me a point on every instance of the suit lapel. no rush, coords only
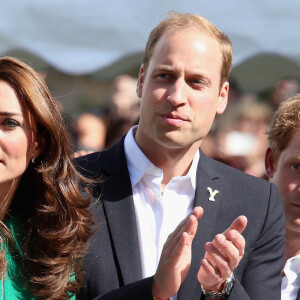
(120, 212)
(206, 177)
(298, 295)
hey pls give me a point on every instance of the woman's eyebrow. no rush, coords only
(8, 113)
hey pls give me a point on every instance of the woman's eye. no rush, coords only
(296, 166)
(10, 123)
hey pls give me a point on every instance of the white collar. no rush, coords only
(293, 264)
(138, 163)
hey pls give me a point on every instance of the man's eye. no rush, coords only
(163, 75)
(10, 123)
(199, 82)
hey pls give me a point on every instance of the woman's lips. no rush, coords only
(297, 205)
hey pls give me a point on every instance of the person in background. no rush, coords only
(91, 131)
(124, 103)
(155, 241)
(45, 222)
(282, 164)
(123, 110)
(283, 89)
(241, 140)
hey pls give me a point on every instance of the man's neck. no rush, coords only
(173, 161)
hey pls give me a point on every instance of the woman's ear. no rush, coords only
(269, 163)
(38, 146)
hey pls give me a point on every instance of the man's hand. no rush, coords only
(222, 256)
(176, 256)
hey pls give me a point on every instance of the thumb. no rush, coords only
(239, 224)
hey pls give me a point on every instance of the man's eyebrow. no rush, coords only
(167, 68)
(10, 114)
(171, 68)
(164, 68)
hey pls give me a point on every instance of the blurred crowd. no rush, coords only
(237, 138)
(100, 127)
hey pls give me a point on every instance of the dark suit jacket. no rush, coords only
(113, 258)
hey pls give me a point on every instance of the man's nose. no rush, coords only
(177, 93)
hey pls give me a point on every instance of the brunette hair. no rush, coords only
(286, 122)
(176, 21)
(59, 222)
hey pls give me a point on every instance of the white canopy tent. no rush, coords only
(82, 37)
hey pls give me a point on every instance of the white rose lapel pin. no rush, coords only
(212, 194)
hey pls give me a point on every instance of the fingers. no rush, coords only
(209, 275)
(233, 234)
(211, 272)
(188, 225)
(197, 212)
(229, 246)
(223, 254)
(237, 240)
(191, 222)
(175, 258)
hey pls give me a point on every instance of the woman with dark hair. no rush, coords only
(44, 218)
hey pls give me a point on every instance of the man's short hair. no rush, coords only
(286, 122)
(176, 21)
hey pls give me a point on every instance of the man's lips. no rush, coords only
(174, 117)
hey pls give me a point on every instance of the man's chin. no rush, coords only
(175, 140)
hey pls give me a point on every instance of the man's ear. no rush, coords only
(223, 98)
(269, 163)
(140, 82)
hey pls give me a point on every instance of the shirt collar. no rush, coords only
(138, 163)
(193, 169)
(293, 264)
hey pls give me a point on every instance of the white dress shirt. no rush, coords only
(291, 281)
(157, 215)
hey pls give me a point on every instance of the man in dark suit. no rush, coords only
(152, 179)
(282, 162)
